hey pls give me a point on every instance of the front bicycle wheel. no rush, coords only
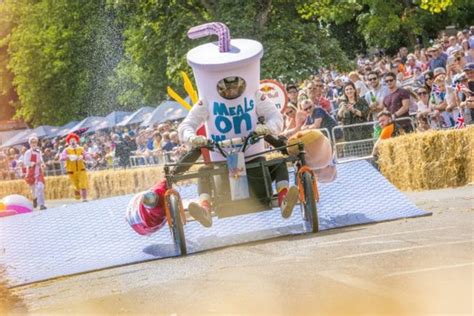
(177, 229)
(309, 205)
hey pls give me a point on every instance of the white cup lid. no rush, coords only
(208, 57)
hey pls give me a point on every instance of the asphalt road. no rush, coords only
(412, 266)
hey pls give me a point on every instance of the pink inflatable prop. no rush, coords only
(214, 28)
(16, 204)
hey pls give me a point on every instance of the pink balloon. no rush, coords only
(19, 209)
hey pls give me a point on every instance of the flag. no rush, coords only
(460, 122)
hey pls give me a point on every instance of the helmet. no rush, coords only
(150, 199)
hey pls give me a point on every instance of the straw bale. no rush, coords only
(101, 184)
(429, 160)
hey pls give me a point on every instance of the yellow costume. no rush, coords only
(76, 170)
(75, 167)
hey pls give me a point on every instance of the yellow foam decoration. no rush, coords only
(306, 137)
(188, 86)
(2, 206)
(175, 96)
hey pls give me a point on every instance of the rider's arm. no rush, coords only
(267, 109)
(195, 118)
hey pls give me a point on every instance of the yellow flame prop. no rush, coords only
(178, 99)
(188, 86)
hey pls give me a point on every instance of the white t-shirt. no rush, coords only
(361, 87)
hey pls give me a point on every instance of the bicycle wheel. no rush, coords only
(177, 229)
(310, 208)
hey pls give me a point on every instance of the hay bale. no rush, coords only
(102, 184)
(430, 160)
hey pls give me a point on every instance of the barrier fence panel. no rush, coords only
(356, 141)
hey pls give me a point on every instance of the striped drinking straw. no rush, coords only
(213, 28)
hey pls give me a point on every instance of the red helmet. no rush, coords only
(146, 212)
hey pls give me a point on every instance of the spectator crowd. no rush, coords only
(427, 88)
(119, 147)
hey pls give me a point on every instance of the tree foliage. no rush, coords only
(156, 43)
(390, 24)
(61, 54)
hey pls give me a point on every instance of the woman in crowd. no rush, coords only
(354, 110)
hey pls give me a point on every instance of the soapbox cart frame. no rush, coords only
(222, 205)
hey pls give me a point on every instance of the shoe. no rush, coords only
(85, 200)
(201, 213)
(77, 195)
(42, 207)
(287, 199)
(35, 203)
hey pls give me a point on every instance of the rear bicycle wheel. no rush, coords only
(176, 227)
(309, 205)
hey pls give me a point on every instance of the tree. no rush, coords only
(156, 43)
(62, 54)
(390, 24)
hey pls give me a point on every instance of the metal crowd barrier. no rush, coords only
(358, 140)
(152, 160)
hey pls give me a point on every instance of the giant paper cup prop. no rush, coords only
(227, 76)
(16, 204)
(317, 146)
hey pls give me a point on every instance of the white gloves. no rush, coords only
(262, 130)
(198, 140)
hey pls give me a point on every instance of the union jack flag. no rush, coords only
(460, 122)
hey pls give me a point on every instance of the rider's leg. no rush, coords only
(287, 195)
(201, 211)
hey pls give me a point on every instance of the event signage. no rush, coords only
(275, 92)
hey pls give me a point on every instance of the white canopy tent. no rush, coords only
(168, 110)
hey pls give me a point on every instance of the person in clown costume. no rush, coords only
(75, 156)
(231, 105)
(33, 162)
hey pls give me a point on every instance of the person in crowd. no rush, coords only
(436, 60)
(124, 149)
(453, 45)
(294, 120)
(4, 170)
(292, 92)
(390, 129)
(34, 177)
(423, 103)
(290, 116)
(48, 159)
(412, 66)
(354, 110)
(403, 54)
(317, 118)
(466, 89)
(439, 99)
(375, 95)
(361, 88)
(315, 90)
(422, 122)
(428, 80)
(74, 156)
(397, 101)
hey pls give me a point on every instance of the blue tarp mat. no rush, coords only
(89, 236)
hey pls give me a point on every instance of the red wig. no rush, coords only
(71, 136)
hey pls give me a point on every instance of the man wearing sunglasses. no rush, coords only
(397, 102)
(376, 94)
(436, 59)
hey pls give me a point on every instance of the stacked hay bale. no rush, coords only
(430, 160)
(101, 184)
